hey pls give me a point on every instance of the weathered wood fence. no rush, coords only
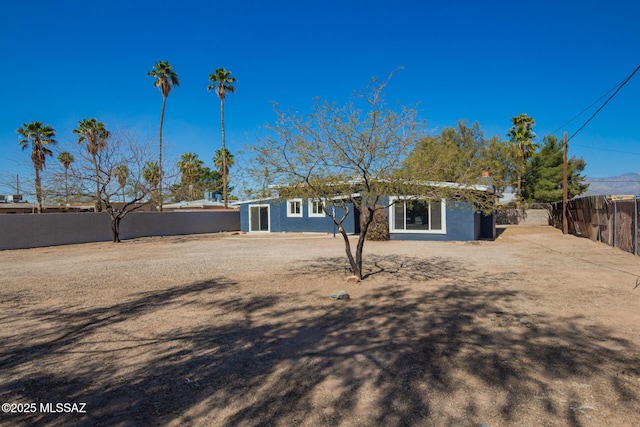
(602, 219)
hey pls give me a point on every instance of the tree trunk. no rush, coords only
(347, 246)
(224, 156)
(115, 229)
(522, 167)
(164, 101)
(355, 263)
(364, 228)
(66, 185)
(98, 205)
(38, 190)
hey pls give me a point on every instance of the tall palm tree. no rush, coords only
(122, 174)
(95, 134)
(66, 158)
(223, 162)
(151, 174)
(38, 136)
(190, 167)
(222, 81)
(522, 137)
(166, 78)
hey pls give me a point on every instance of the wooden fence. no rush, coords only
(602, 219)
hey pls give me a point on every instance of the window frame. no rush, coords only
(312, 214)
(290, 202)
(260, 205)
(443, 215)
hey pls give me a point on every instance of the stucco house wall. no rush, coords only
(279, 221)
(463, 222)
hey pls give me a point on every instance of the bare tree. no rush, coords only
(120, 150)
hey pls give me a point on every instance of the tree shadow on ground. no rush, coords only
(394, 358)
(397, 267)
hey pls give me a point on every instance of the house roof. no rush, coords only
(25, 207)
(478, 187)
(198, 204)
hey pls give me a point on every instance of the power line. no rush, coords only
(620, 86)
(606, 149)
(586, 109)
(596, 180)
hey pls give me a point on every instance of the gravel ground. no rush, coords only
(535, 328)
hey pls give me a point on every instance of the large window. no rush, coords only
(294, 208)
(316, 209)
(417, 216)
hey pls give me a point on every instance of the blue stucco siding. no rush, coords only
(244, 217)
(461, 225)
(463, 222)
(280, 222)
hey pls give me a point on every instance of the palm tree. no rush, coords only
(95, 135)
(122, 174)
(151, 174)
(222, 82)
(522, 136)
(38, 136)
(66, 159)
(190, 167)
(219, 161)
(166, 78)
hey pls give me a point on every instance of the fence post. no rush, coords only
(615, 220)
(635, 228)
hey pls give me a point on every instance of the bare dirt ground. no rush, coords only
(535, 328)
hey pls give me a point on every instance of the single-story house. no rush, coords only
(409, 219)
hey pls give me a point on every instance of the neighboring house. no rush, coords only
(211, 200)
(409, 219)
(195, 205)
(25, 207)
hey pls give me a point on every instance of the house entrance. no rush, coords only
(258, 217)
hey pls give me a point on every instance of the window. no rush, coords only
(316, 208)
(417, 216)
(294, 208)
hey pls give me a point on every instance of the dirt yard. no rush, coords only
(535, 328)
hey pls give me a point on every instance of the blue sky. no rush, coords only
(487, 61)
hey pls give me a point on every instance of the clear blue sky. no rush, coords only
(485, 61)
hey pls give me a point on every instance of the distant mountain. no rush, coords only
(628, 183)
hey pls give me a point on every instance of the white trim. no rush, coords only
(443, 216)
(294, 215)
(261, 205)
(310, 204)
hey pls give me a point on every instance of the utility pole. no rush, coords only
(565, 189)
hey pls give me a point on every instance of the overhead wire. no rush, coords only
(620, 86)
(607, 149)
(586, 109)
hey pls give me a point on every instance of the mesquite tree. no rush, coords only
(352, 158)
(119, 170)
